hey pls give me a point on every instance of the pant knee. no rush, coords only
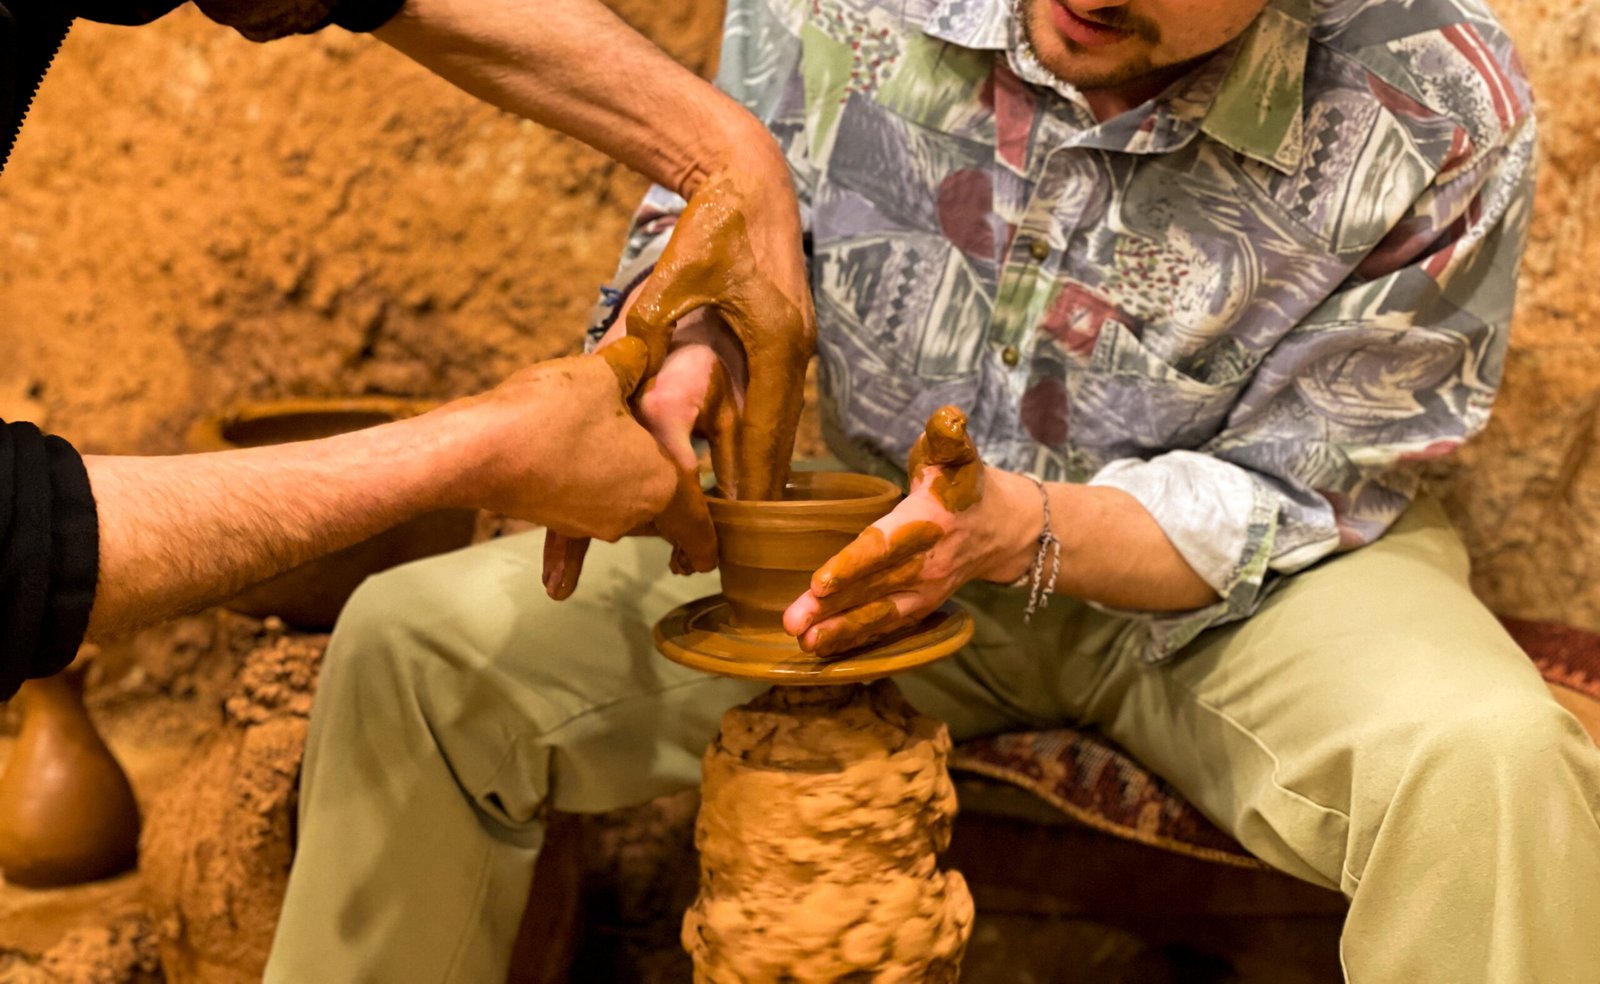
(1508, 761)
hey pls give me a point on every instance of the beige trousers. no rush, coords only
(1371, 729)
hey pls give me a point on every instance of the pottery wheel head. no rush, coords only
(703, 635)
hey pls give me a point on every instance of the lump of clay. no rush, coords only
(824, 810)
(67, 813)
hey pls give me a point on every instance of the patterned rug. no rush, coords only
(1096, 783)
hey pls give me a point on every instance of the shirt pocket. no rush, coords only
(1127, 401)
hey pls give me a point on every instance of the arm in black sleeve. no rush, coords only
(49, 554)
(258, 20)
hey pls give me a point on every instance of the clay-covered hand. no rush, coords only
(596, 471)
(959, 523)
(697, 391)
(737, 250)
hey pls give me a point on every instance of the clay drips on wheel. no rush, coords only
(823, 811)
(67, 813)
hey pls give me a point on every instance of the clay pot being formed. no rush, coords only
(311, 595)
(768, 550)
(67, 813)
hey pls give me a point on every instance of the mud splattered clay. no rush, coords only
(823, 812)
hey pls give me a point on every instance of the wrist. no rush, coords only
(459, 446)
(741, 145)
(1019, 515)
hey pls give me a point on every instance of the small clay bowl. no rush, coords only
(311, 595)
(768, 550)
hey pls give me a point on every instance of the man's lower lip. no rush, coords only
(1084, 32)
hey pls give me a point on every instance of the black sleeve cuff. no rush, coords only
(256, 20)
(49, 554)
(366, 15)
(273, 19)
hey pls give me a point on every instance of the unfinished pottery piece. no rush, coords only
(67, 813)
(767, 552)
(311, 595)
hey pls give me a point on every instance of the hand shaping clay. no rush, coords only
(767, 550)
(710, 262)
(822, 812)
(67, 813)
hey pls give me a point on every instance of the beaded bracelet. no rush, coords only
(1039, 588)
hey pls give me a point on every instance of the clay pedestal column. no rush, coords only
(826, 800)
(823, 811)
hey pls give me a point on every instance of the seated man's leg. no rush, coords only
(456, 705)
(1373, 729)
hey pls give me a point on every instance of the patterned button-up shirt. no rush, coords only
(1254, 303)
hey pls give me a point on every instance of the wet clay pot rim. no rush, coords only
(232, 428)
(821, 495)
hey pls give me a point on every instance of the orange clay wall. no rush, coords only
(190, 219)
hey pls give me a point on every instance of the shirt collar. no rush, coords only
(1258, 108)
(1249, 96)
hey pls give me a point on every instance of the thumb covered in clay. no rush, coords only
(946, 456)
(629, 358)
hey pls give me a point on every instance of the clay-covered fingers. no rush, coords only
(694, 271)
(902, 576)
(629, 359)
(686, 524)
(878, 550)
(763, 441)
(864, 625)
(886, 558)
(737, 249)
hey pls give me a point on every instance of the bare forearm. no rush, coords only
(177, 533)
(1112, 550)
(574, 66)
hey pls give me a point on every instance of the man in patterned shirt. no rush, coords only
(1212, 276)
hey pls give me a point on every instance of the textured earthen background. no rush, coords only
(190, 219)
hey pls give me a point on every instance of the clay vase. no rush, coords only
(67, 813)
(768, 550)
(310, 596)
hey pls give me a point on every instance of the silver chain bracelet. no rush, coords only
(1041, 588)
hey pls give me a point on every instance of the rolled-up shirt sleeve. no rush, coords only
(49, 554)
(1321, 452)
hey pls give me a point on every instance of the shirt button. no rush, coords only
(1010, 356)
(1040, 249)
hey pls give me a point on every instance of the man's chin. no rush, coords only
(1083, 68)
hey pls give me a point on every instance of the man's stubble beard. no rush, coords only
(1034, 16)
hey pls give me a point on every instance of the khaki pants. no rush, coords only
(1371, 729)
